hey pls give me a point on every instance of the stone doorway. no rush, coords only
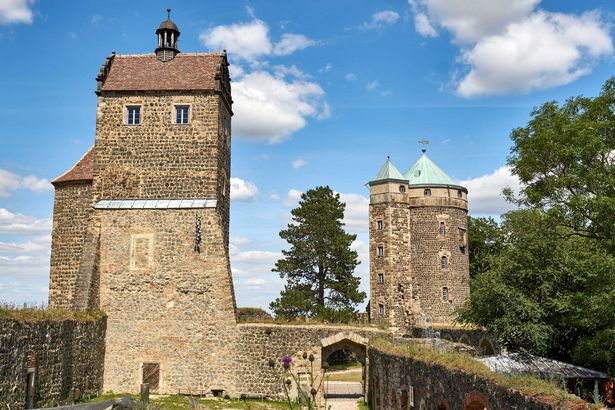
(345, 383)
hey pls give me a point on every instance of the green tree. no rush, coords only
(486, 239)
(565, 158)
(547, 291)
(319, 265)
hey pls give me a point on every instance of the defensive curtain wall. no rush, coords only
(50, 361)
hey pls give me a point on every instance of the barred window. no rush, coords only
(444, 262)
(133, 115)
(181, 114)
(445, 294)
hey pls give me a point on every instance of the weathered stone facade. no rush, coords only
(48, 361)
(405, 383)
(418, 252)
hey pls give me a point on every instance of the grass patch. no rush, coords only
(355, 376)
(548, 391)
(363, 405)
(344, 366)
(39, 313)
(180, 402)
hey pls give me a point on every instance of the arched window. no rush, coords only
(380, 251)
(459, 194)
(486, 348)
(444, 262)
(380, 309)
(442, 228)
(402, 189)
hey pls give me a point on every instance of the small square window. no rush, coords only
(380, 309)
(427, 192)
(182, 114)
(402, 189)
(445, 294)
(380, 278)
(380, 251)
(379, 225)
(442, 228)
(133, 115)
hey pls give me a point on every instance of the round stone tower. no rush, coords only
(419, 268)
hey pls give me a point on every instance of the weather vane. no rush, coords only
(425, 143)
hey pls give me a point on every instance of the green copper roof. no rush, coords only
(425, 172)
(388, 171)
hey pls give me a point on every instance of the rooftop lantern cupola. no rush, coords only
(168, 34)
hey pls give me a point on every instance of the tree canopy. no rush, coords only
(544, 278)
(320, 263)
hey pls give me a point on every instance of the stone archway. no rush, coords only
(348, 341)
(476, 401)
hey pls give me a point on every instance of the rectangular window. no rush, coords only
(444, 262)
(380, 278)
(380, 251)
(379, 225)
(381, 309)
(442, 228)
(140, 251)
(181, 114)
(459, 194)
(427, 192)
(133, 115)
(445, 294)
(402, 189)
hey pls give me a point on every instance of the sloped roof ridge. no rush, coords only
(81, 171)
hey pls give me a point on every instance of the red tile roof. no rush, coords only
(144, 72)
(81, 171)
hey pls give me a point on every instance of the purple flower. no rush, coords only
(287, 362)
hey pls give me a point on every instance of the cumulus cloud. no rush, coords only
(356, 213)
(18, 224)
(16, 11)
(243, 191)
(510, 46)
(271, 108)
(10, 182)
(542, 51)
(251, 40)
(485, 192)
(372, 85)
(381, 19)
(298, 163)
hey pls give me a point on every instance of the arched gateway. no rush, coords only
(350, 342)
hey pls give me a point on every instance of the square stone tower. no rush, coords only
(149, 241)
(419, 267)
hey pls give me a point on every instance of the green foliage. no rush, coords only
(38, 313)
(565, 157)
(547, 291)
(319, 265)
(486, 239)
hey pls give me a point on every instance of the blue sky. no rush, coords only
(323, 90)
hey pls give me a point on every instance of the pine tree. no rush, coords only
(319, 265)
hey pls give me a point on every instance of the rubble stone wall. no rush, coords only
(66, 358)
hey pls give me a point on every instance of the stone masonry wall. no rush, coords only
(395, 380)
(166, 303)
(159, 159)
(257, 343)
(67, 357)
(71, 213)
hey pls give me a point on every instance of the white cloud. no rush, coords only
(292, 197)
(243, 191)
(11, 223)
(356, 213)
(272, 108)
(250, 41)
(275, 197)
(298, 163)
(351, 77)
(10, 182)
(245, 40)
(16, 11)
(510, 46)
(326, 68)
(542, 51)
(255, 282)
(381, 19)
(485, 192)
(372, 85)
(289, 43)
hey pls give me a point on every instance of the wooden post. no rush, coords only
(144, 393)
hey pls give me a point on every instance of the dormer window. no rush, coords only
(182, 114)
(133, 115)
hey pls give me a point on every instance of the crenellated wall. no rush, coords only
(64, 357)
